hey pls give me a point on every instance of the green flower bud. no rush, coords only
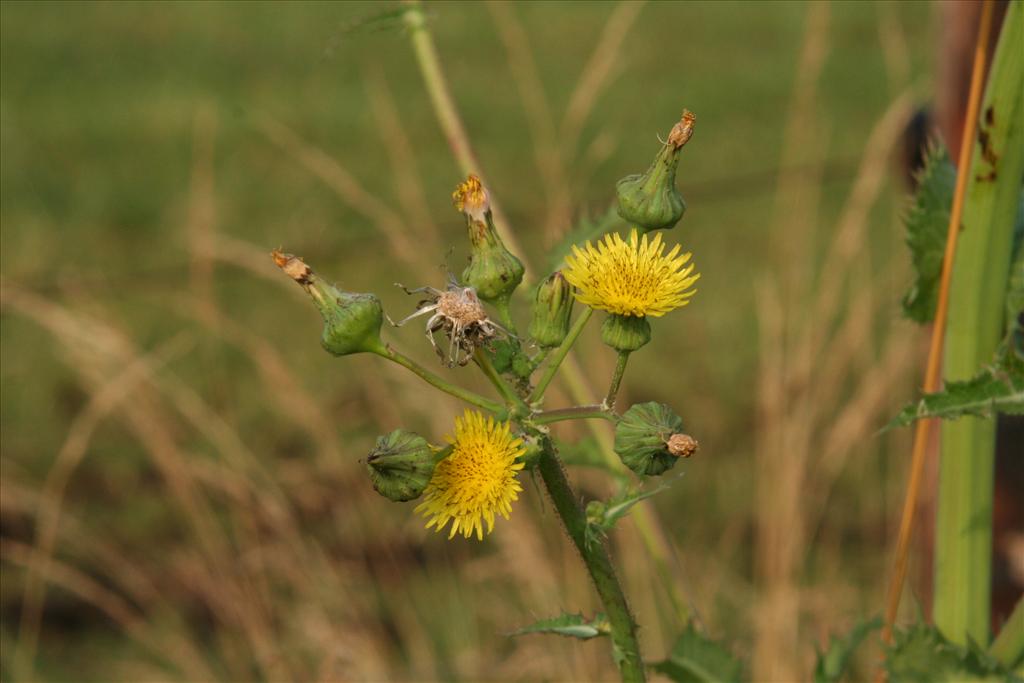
(651, 201)
(649, 439)
(401, 465)
(552, 310)
(625, 333)
(493, 271)
(351, 321)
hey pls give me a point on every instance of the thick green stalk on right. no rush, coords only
(963, 534)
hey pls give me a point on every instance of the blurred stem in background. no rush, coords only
(579, 388)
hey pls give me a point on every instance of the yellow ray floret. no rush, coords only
(477, 480)
(631, 278)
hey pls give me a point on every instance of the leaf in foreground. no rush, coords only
(570, 625)
(832, 662)
(923, 654)
(998, 388)
(696, 658)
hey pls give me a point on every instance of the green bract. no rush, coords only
(642, 436)
(625, 333)
(401, 465)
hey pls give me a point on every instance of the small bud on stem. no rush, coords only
(352, 322)
(651, 201)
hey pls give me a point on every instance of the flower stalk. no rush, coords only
(466, 395)
(613, 388)
(560, 353)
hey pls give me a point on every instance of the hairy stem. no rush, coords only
(595, 557)
(560, 353)
(458, 392)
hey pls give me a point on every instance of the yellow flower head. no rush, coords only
(471, 198)
(631, 278)
(477, 480)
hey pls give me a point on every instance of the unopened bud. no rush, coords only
(493, 270)
(651, 201)
(351, 321)
(625, 333)
(552, 311)
(401, 465)
(649, 439)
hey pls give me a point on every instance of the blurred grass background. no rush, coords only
(182, 495)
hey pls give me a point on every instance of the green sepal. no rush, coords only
(401, 465)
(570, 625)
(493, 271)
(625, 333)
(351, 322)
(641, 438)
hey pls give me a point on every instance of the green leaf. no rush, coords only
(833, 662)
(570, 625)
(696, 658)
(588, 228)
(927, 221)
(998, 388)
(603, 515)
(923, 654)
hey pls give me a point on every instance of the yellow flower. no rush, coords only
(632, 278)
(477, 480)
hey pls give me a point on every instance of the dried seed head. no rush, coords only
(682, 445)
(461, 306)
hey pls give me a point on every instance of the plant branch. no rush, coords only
(458, 392)
(560, 353)
(503, 388)
(613, 389)
(594, 410)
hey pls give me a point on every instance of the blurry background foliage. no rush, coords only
(182, 495)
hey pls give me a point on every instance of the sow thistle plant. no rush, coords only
(463, 485)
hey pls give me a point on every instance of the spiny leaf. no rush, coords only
(927, 221)
(603, 515)
(588, 228)
(570, 625)
(696, 658)
(998, 388)
(833, 662)
(921, 653)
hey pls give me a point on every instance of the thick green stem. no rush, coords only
(560, 353)
(447, 387)
(613, 389)
(595, 557)
(595, 410)
(963, 534)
